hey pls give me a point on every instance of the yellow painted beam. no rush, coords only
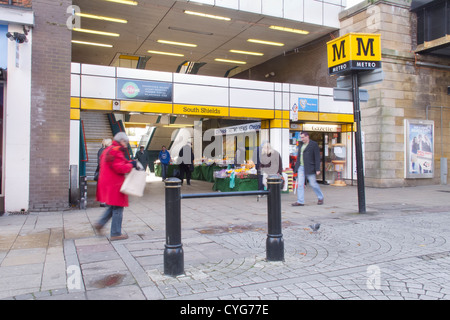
(96, 104)
(252, 113)
(149, 107)
(336, 117)
(193, 110)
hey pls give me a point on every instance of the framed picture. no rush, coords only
(419, 145)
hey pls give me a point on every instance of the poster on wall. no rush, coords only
(419, 144)
(143, 90)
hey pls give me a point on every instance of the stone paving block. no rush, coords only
(24, 256)
(102, 267)
(130, 292)
(107, 280)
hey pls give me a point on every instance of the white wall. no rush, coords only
(17, 121)
(319, 12)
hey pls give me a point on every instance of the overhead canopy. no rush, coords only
(151, 21)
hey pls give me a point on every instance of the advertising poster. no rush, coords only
(419, 136)
(143, 90)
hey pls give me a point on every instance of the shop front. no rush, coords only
(335, 142)
(221, 117)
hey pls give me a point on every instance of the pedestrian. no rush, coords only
(164, 158)
(114, 166)
(307, 166)
(270, 160)
(270, 164)
(105, 143)
(142, 157)
(187, 163)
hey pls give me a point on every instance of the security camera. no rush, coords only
(21, 38)
(2, 74)
(18, 37)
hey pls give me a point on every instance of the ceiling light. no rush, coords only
(289, 30)
(231, 61)
(191, 31)
(93, 43)
(166, 53)
(109, 34)
(178, 43)
(205, 15)
(128, 2)
(93, 16)
(248, 52)
(278, 44)
(178, 125)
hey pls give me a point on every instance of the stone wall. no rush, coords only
(404, 94)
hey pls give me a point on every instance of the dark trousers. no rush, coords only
(185, 168)
(164, 169)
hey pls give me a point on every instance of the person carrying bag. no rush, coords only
(114, 167)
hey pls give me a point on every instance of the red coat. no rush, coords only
(113, 167)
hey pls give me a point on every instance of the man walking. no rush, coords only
(307, 166)
(142, 157)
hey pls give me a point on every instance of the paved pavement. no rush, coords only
(399, 249)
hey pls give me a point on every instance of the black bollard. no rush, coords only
(274, 242)
(173, 252)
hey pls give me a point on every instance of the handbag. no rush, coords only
(134, 183)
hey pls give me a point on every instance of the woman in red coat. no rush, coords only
(114, 167)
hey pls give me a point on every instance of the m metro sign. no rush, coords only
(354, 51)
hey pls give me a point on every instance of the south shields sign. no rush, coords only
(354, 51)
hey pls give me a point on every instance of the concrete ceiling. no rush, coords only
(153, 20)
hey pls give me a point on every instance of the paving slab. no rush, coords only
(400, 249)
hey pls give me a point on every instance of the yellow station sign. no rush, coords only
(354, 51)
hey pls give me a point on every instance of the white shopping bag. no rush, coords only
(285, 179)
(134, 183)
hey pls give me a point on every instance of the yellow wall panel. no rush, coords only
(74, 114)
(209, 111)
(252, 113)
(150, 107)
(335, 117)
(96, 104)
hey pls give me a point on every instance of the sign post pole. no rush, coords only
(353, 54)
(358, 145)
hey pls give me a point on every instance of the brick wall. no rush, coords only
(50, 103)
(20, 3)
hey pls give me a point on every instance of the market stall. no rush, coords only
(225, 177)
(242, 178)
(204, 172)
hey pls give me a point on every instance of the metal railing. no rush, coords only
(173, 252)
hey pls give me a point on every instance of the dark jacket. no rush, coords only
(311, 158)
(142, 157)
